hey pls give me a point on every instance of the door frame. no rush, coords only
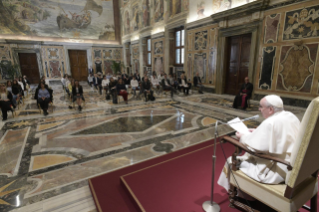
(82, 48)
(15, 55)
(254, 28)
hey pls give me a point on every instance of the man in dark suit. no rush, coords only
(198, 83)
(167, 85)
(137, 77)
(147, 88)
(97, 82)
(244, 94)
(183, 84)
(90, 70)
(112, 88)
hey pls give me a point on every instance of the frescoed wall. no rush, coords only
(135, 58)
(289, 51)
(81, 19)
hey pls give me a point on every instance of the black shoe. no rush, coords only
(201, 92)
(4, 119)
(45, 113)
(70, 107)
(80, 108)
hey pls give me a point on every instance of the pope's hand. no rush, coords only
(239, 135)
(251, 129)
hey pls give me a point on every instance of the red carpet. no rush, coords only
(182, 184)
(179, 184)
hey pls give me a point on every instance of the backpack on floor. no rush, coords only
(151, 97)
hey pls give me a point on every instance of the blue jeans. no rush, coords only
(134, 90)
(14, 99)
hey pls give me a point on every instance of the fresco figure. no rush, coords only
(159, 10)
(145, 13)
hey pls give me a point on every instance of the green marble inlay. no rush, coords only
(124, 124)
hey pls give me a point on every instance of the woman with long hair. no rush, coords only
(5, 102)
(121, 90)
(77, 93)
(44, 98)
(9, 86)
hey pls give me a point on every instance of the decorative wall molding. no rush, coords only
(240, 11)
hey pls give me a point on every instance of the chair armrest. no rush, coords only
(236, 143)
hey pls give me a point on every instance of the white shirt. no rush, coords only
(90, 78)
(21, 84)
(47, 81)
(166, 83)
(134, 83)
(154, 81)
(105, 82)
(67, 82)
(184, 84)
(63, 81)
(276, 136)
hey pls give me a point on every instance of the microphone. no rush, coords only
(251, 118)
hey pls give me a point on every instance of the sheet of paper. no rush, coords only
(238, 125)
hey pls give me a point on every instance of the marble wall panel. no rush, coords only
(55, 69)
(5, 59)
(103, 57)
(272, 24)
(200, 62)
(54, 65)
(297, 67)
(267, 67)
(158, 65)
(301, 23)
(201, 40)
(189, 65)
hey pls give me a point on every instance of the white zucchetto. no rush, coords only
(275, 101)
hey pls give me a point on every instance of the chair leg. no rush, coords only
(313, 203)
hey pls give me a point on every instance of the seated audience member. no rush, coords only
(183, 84)
(244, 94)
(134, 85)
(5, 101)
(137, 77)
(16, 88)
(9, 86)
(147, 89)
(108, 76)
(105, 83)
(121, 90)
(26, 80)
(67, 83)
(276, 135)
(77, 93)
(44, 98)
(198, 83)
(95, 81)
(90, 80)
(21, 81)
(166, 83)
(155, 83)
(113, 90)
(90, 70)
(63, 81)
(45, 80)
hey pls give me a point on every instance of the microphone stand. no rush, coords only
(211, 206)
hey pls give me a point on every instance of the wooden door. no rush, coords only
(78, 64)
(237, 62)
(29, 67)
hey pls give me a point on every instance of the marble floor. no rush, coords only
(46, 161)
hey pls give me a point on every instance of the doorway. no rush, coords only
(78, 64)
(237, 62)
(29, 67)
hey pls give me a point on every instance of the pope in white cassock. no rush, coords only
(275, 136)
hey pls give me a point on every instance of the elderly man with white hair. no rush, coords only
(275, 136)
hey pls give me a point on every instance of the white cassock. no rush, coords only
(275, 136)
